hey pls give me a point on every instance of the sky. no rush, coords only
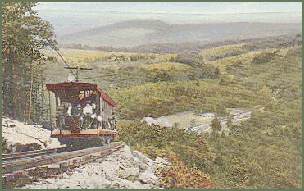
(176, 7)
(69, 17)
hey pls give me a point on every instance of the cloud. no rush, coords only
(173, 8)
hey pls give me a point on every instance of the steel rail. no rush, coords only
(18, 155)
(25, 162)
(60, 164)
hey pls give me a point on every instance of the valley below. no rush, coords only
(251, 89)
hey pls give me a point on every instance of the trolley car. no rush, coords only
(84, 114)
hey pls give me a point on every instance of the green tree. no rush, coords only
(24, 34)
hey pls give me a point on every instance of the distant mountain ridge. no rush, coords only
(165, 48)
(134, 33)
(145, 24)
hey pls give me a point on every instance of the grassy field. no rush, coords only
(263, 152)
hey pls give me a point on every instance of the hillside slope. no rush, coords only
(262, 75)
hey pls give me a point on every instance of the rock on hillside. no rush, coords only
(122, 169)
(200, 123)
(18, 132)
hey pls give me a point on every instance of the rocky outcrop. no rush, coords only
(18, 133)
(200, 123)
(122, 169)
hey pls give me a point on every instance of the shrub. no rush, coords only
(5, 147)
(216, 125)
(263, 57)
(184, 58)
(180, 176)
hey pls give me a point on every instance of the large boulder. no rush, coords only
(146, 160)
(100, 183)
(148, 177)
(126, 153)
(127, 172)
(138, 185)
(121, 183)
(149, 120)
(109, 169)
(161, 121)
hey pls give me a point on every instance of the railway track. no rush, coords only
(20, 155)
(21, 168)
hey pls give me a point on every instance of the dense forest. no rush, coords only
(24, 34)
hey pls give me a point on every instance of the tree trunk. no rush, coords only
(30, 96)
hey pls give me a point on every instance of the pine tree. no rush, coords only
(24, 34)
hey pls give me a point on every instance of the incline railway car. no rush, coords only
(84, 114)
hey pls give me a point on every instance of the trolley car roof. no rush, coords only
(66, 86)
(78, 86)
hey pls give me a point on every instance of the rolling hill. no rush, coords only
(135, 33)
